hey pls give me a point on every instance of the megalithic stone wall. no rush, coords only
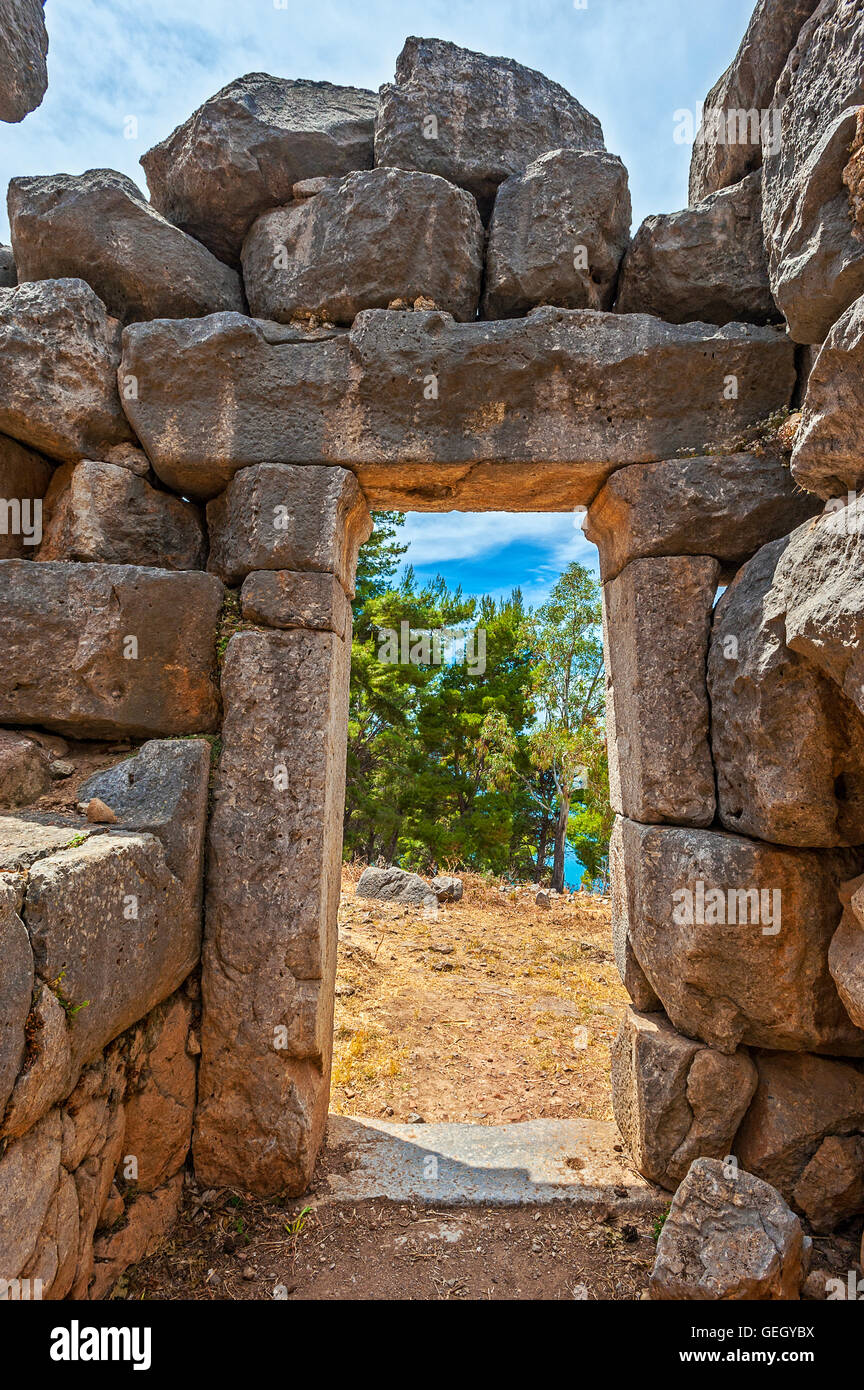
(649, 382)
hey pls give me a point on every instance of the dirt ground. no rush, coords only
(494, 1011)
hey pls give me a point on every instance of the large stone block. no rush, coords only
(846, 953)
(29, 1177)
(99, 513)
(828, 457)
(820, 583)
(113, 933)
(16, 987)
(474, 119)
(23, 52)
(160, 1098)
(657, 620)
(728, 143)
(674, 1099)
(99, 227)
(24, 479)
(728, 1236)
(246, 147)
(622, 880)
(285, 599)
(557, 234)
(58, 381)
(788, 746)
(831, 1188)
(815, 256)
(275, 517)
(25, 770)
(727, 506)
(363, 241)
(706, 263)
(799, 1101)
(525, 413)
(105, 650)
(272, 896)
(733, 937)
(49, 1074)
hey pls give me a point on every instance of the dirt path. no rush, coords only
(496, 1011)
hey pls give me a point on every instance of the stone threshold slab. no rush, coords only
(448, 1165)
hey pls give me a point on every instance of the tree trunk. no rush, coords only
(560, 839)
(541, 849)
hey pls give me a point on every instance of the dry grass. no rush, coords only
(494, 1011)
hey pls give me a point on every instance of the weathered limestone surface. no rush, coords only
(160, 1096)
(730, 960)
(747, 85)
(246, 147)
(558, 232)
(162, 791)
(395, 885)
(728, 1236)
(112, 965)
(16, 987)
(272, 899)
(815, 259)
(59, 352)
(49, 1075)
(474, 119)
(828, 456)
(148, 1218)
(29, 1174)
(831, 1188)
(24, 479)
(363, 241)
(820, 582)
(853, 174)
(285, 599)
(706, 263)
(103, 513)
(25, 770)
(633, 977)
(277, 517)
(422, 407)
(657, 620)
(23, 52)
(800, 1100)
(788, 746)
(99, 227)
(674, 1099)
(8, 274)
(727, 506)
(846, 953)
(64, 631)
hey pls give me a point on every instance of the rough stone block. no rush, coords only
(395, 885)
(25, 770)
(828, 457)
(273, 886)
(16, 988)
(674, 1099)
(815, 258)
(58, 380)
(728, 1236)
(831, 1188)
(278, 517)
(705, 264)
(623, 883)
(65, 631)
(558, 232)
(363, 241)
(733, 936)
(160, 1097)
(99, 227)
(727, 146)
(246, 147)
(23, 52)
(285, 599)
(490, 116)
(788, 746)
(657, 619)
(520, 414)
(8, 273)
(49, 1074)
(726, 506)
(846, 953)
(99, 513)
(29, 1177)
(800, 1100)
(112, 933)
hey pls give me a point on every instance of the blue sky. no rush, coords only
(632, 62)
